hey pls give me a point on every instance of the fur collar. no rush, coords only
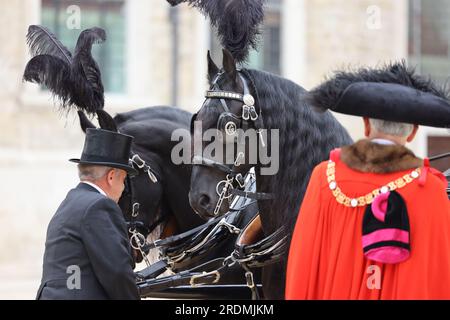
(367, 156)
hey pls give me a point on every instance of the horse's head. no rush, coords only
(141, 200)
(220, 154)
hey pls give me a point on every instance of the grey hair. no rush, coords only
(87, 172)
(392, 128)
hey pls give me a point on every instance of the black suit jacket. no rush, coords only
(87, 253)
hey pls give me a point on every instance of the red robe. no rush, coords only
(326, 259)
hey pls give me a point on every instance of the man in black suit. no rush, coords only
(87, 252)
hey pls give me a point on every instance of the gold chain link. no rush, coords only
(368, 198)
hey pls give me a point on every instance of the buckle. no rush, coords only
(137, 240)
(204, 275)
(253, 114)
(138, 161)
(239, 159)
(245, 112)
(151, 175)
(249, 278)
(135, 211)
(240, 180)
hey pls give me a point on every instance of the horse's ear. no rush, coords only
(229, 65)
(85, 123)
(106, 121)
(213, 69)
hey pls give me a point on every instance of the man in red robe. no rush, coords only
(375, 220)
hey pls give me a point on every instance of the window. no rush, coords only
(437, 146)
(267, 57)
(429, 37)
(429, 51)
(106, 14)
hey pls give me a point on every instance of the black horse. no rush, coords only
(305, 139)
(164, 202)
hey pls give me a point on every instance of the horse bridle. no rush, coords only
(138, 230)
(230, 123)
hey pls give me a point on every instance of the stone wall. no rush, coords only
(353, 33)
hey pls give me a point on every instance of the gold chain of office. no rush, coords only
(368, 198)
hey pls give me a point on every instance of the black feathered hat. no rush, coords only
(393, 93)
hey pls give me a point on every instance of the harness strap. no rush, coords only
(249, 278)
(197, 160)
(153, 271)
(185, 235)
(202, 242)
(255, 250)
(180, 279)
(141, 164)
(253, 195)
(215, 94)
(139, 226)
(190, 277)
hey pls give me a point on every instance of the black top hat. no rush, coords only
(394, 93)
(107, 148)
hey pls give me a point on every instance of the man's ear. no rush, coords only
(367, 128)
(413, 134)
(110, 176)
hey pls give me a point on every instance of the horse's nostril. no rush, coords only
(204, 200)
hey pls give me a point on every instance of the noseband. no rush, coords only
(230, 123)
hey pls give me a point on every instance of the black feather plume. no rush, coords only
(52, 72)
(41, 41)
(75, 81)
(86, 75)
(237, 21)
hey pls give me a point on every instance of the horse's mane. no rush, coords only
(306, 139)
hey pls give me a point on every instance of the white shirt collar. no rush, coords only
(96, 187)
(383, 142)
